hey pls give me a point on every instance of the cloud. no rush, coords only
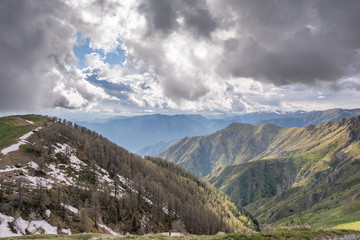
(37, 62)
(168, 16)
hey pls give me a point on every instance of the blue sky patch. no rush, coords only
(118, 56)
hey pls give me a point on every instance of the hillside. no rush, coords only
(233, 145)
(63, 178)
(293, 175)
(314, 117)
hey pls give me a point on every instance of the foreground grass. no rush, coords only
(279, 234)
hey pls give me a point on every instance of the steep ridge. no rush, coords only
(306, 176)
(63, 178)
(235, 144)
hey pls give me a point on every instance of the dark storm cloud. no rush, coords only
(287, 42)
(36, 54)
(162, 16)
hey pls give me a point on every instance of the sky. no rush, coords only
(107, 58)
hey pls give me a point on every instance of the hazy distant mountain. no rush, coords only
(315, 117)
(253, 118)
(134, 133)
(138, 132)
(155, 149)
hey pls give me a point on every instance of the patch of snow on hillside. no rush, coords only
(10, 169)
(20, 225)
(127, 182)
(70, 208)
(112, 232)
(60, 174)
(104, 176)
(148, 200)
(47, 212)
(16, 146)
(31, 122)
(37, 129)
(76, 163)
(35, 181)
(61, 148)
(4, 226)
(66, 231)
(36, 226)
(33, 165)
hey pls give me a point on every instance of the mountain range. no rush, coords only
(152, 134)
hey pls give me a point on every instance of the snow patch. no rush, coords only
(31, 122)
(36, 226)
(104, 176)
(108, 229)
(76, 163)
(4, 226)
(20, 225)
(35, 181)
(16, 146)
(10, 169)
(70, 208)
(66, 231)
(47, 212)
(60, 175)
(33, 165)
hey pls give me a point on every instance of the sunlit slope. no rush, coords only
(307, 175)
(235, 144)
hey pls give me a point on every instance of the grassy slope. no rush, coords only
(13, 127)
(233, 145)
(279, 234)
(310, 175)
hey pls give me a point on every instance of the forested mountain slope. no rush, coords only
(63, 178)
